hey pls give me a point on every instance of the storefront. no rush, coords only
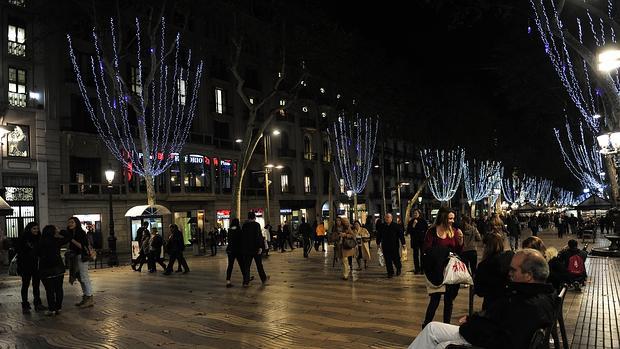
(260, 216)
(21, 200)
(222, 218)
(189, 222)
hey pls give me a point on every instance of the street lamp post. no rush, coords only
(398, 186)
(267, 169)
(113, 260)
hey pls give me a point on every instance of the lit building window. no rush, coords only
(342, 191)
(136, 85)
(307, 184)
(181, 91)
(17, 40)
(17, 87)
(252, 100)
(282, 102)
(219, 101)
(284, 182)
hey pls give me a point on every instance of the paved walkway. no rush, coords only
(305, 305)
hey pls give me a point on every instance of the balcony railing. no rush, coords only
(91, 189)
(17, 49)
(17, 99)
(310, 156)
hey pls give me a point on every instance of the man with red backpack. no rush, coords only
(575, 259)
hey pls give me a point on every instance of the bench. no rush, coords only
(540, 338)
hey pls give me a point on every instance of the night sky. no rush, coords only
(465, 73)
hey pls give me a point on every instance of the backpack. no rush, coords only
(576, 265)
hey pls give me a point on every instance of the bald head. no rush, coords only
(529, 266)
(388, 218)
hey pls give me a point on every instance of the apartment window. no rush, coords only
(327, 153)
(342, 189)
(17, 87)
(307, 184)
(17, 40)
(181, 91)
(282, 102)
(284, 182)
(20, 3)
(307, 148)
(136, 85)
(220, 101)
(18, 141)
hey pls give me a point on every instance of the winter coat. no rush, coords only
(175, 242)
(417, 231)
(251, 238)
(27, 259)
(234, 235)
(48, 252)
(492, 276)
(471, 236)
(305, 230)
(156, 244)
(512, 320)
(391, 237)
(435, 258)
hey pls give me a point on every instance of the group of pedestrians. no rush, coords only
(151, 249)
(39, 261)
(245, 245)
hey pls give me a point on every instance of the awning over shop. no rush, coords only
(594, 202)
(147, 210)
(5, 209)
(297, 204)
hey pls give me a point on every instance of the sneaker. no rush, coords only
(88, 302)
(79, 304)
(50, 313)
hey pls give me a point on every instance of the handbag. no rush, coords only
(456, 272)
(13, 266)
(381, 258)
(348, 243)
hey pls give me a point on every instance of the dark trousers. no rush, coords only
(231, 263)
(258, 259)
(155, 258)
(54, 292)
(177, 256)
(448, 300)
(213, 249)
(307, 245)
(416, 246)
(36, 293)
(471, 258)
(139, 261)
(392, 259)
(285, 240)
(319, 241)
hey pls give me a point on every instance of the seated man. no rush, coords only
(574, 259)
(509, 322)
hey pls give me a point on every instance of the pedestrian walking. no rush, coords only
(155, 246)
(144, 252)
(306, 236)
(232, 250)
(533, 225)
(416, 229)
(320, 237)
(390, 238)
(81, 248)
(514, 232)
(362, 236)
(562, 225)
(471, 237)
(140, 234)
(51, 267)
(347, 246)
(441, 239)
(28, 266)
(251, 246)
(176, 246)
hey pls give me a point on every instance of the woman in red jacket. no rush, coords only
(441, 239)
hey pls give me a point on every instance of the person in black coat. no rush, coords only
(390, 238)
(416, 229)
(492, 273)
(51, 267)
(232, 250)
(306, 234)
(155, 245)
(250, 247)
(176, 245)
(28, 265)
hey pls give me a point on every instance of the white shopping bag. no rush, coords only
(456, 272)
(381, 258)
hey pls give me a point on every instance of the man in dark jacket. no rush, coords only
(390, 238)
(306, 234)
(250, 247)
(416, 228)
(511, 321)
(157, 242)
(514, 232)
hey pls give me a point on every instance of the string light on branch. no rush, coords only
(443, 168)
(354, 140)
(163, 96)
(582, 159)
(540, 192)
(516, 190)
(480, 178)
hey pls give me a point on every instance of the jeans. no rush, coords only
(54, 292)
(514, 242)
(437, 335)
(416, 246)
(448, 300)
(247, 264)
(319, 242)
(36, 294)
(87, 288)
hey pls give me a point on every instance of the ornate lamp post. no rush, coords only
(113, 260)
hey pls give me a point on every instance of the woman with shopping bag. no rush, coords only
(441, 239)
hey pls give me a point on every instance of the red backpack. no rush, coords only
(576, 266)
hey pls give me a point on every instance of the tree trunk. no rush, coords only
(150, 189)
(413, 200)
(612, 175)
(238, 187)
(148, 162)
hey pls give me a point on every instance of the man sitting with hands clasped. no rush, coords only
(508, 323)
